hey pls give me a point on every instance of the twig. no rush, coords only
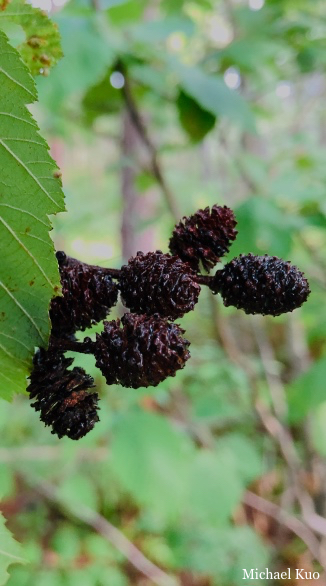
(96, 5)
(204, 280)
(145, 138)
(280, 432)
(129, 195)
(285, 441)
(284, 518)
(271, 368)
(66, 344)
(108, 531)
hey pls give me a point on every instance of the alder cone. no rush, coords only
(142, 353)
(261, 284)
(204, 237)
(158, 283)
(88, 294)
(62, 396)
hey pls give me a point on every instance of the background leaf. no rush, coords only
(213, 95)
(41, 49)
(263, 228)
(145, 449)
(196, 121)
(307, 391)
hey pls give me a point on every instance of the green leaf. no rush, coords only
(214, 96)
(246, 52)
(66, 543)
(102, 98)
(155, 31)
(78, 488)
(30, 190)
(318, 429)
(223, 553)
(126, 11)
(196, 121)
(177, 5)
(41, 49)
(151, 460)
(88, 54)
(172, 5)
(209, 502)
(263, 228)
(152, 77)
(307, 391)
(10, 551)
(7, 481)
(247, 458)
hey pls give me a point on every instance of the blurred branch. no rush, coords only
(271, 368)
(103, 527)
(269, 418)
(284, 518)
(224, 335)
(286, 444)
(281, 433)
(145, 138)
(298, 350)
(128, 191)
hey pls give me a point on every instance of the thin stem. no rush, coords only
(203, 280)
(66, 344)
(103, 527)
(115, 273)
(145, 138)
(286, 519)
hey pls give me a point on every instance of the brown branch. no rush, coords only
(271, 368)
(277, 430)
(103, 527)
(129, 194)
(146, 140)
(281, 433)
(96, 5)
(284, 518)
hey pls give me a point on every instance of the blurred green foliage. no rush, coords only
(169, 466)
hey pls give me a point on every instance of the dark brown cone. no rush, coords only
(261, 284)
(62, 395)
(88, 295)
(143, 353)
(158, 283)
(205, 236)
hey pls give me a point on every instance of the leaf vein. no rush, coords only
(18, 118)
(13, 233)
(15, 80)
(23, 310)
(29, 172)
(7, 205)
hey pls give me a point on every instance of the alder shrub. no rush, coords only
(142, 348)
(47, 297)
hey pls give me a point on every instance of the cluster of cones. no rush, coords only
(146, 345)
